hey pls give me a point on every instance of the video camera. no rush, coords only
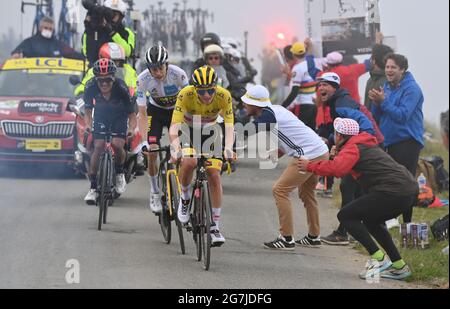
(98, 14)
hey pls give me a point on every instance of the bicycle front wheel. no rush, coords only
(205, 234)
(164, 216)
(102, 199)
(175, 194)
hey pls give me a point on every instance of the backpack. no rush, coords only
(441, 175)
(439, 229)
(435, 173)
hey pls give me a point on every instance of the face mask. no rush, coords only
(47, 34)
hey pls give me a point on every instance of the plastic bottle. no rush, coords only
(422, 181)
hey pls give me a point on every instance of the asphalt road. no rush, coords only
(44, 223)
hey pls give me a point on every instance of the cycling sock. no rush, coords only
(119, 169)
(379, 256)
(399, 264)
(185, 192)
(216, 217)
(93, 179)
(154, 184)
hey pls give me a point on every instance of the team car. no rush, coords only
(35, 123)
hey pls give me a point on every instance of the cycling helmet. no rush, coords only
(112, 51)
(156, 56)
(103, 67)
(116, 5)
(208, 39)
(204, 77)
(213, 49)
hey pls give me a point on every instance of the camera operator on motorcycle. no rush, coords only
(104, 24)
(114, 111)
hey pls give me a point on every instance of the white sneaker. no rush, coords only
(91, 197)
(217, 238)
(374, 268)
(155, 203)
(183, 211)
(121, 184)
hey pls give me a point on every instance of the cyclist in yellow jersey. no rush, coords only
(197, 109)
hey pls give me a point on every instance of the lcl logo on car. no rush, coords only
(39, 119)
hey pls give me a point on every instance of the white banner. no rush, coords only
(347, 26)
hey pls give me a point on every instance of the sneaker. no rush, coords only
(396, 274)
(155, 203)
(91, 197)
(183, 211)
(309, 242)
(320, 187)
(121, 184)
(280, 244)
(217, 238)
(327, 194)
(336, 239)
(375, 267)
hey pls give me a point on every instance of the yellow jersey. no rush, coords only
(189, 106)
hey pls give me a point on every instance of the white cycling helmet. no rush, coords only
(213, 49)
(116, 5)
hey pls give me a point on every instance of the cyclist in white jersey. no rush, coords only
(161, 84)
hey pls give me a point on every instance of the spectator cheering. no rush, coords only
(398, 108)
(390, 191)
(349, 74)
(377, 75)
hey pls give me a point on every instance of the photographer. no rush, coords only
(104, 24)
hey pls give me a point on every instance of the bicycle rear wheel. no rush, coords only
(175, 194)
(164, 216)
(206, 226)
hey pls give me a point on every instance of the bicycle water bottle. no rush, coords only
(422, 181)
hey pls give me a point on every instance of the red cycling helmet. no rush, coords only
(104, 67)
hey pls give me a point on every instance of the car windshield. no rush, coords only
(36, 83)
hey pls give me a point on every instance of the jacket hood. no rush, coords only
(339, 94)
(362, 138)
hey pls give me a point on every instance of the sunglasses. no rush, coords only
(107, 80)
(214, 58)
(210, 91)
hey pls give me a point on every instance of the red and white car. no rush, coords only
(35, 124)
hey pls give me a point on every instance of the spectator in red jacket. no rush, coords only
(390, 191)
(349, 74)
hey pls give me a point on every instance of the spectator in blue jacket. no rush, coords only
(398, 108)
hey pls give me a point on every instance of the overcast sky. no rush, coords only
(421, 28)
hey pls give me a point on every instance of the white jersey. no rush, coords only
(164, 93)
(295, 139)
(302, 79)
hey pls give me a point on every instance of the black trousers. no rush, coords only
(350, 190)
(407, 154)
(366, 217)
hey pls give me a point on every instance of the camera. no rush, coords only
(98, 14)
